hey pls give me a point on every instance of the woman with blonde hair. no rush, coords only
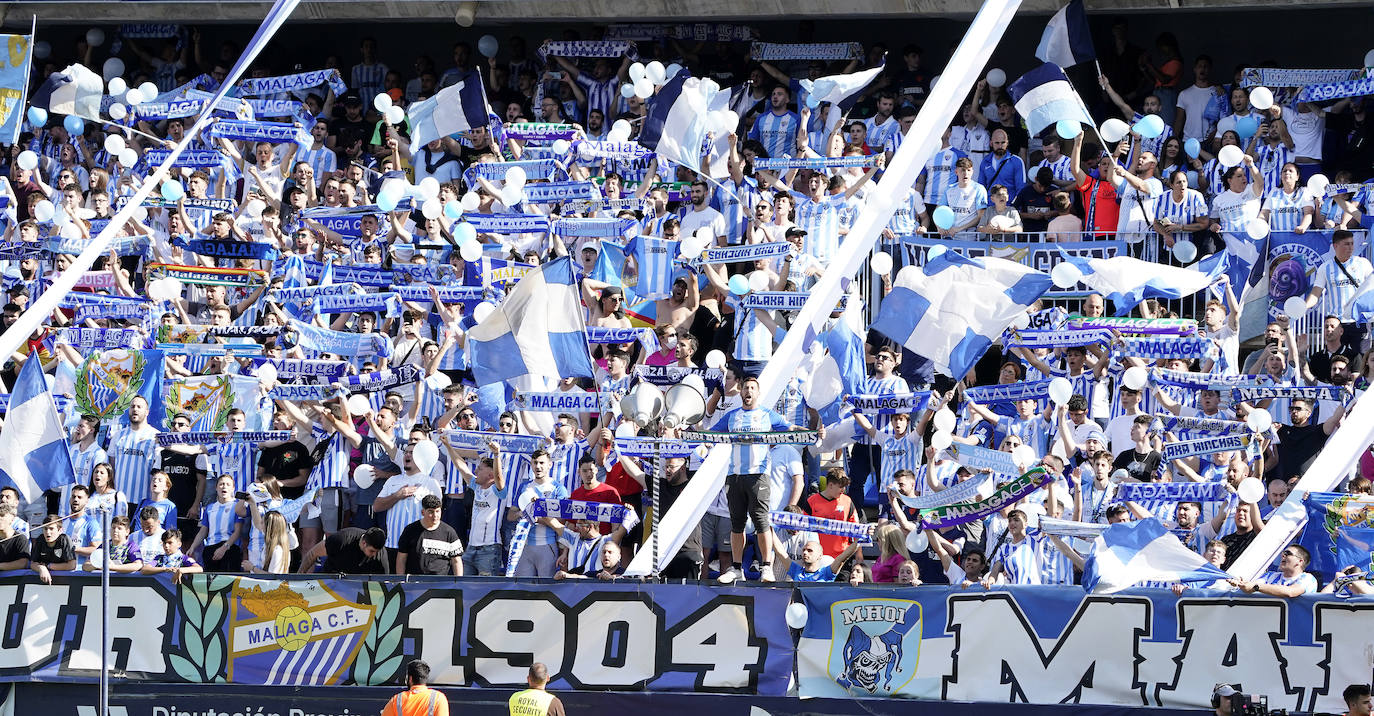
(276, 546)
(891, 543)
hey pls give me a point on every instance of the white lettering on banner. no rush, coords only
(434, 619)
(145, 629)
(1084, 664)
(598, 662)
(499, 647)
(38, 607)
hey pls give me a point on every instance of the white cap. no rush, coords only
(1224, 690)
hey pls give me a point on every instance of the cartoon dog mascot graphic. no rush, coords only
(866, 658)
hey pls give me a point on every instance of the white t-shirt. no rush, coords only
(1229, 121)
(1234, 210)
(693, 220)
(1306, 129)
(1193, 101)
(783, 462)
(1134, 217)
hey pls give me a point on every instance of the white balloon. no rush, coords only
(358, 404)
(513, 195)
(254, 208)
(148, 90)
(1295, 307)
(118, 111)
(364, 475)
(1113, 130)
(382, 102)
(134, 97)
(1024, 456)
(1065, 275)
(1369, 59)
(429, 187)
(43, 211)
(267, 374)
(118, 86)
(644, 88)
(1021, 321)
(431, 209)
(656, 72)
(715, 359)
(916, 541)
(1257, 228)
(471, 251)
(425, 455)
(481, 311)
(881, 263)
(561, 147)
(944, 420)
(1135, 378)
(671, 71)
(996, 77)
(796, 615)
(470, 201)
(1261, 98)
(1259, 420)
(27, 160)
(1316, 186)
(128, 157)
(1061, 390)
(395, 115)
(941, 440)
(1230, 155)
(1250, 491)
(758, 281)
(95, 37)
(1185, 251)
(620, 131)
(114, 144)
(515, 177)
(636, 72)
(69, 231)
(114, 67)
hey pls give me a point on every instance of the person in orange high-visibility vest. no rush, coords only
(418, 699)
(536, 701)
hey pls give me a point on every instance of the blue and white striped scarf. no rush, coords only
(858, 531)
(508, 223)
(698, 31)
(380, 380)
(323, 340)
(298, 81)
(275, 132)
(1157, 347)
(627, 151)
(555, 192)
(771, 51)
(388, 303)
(535, 169)
(1280, 77)
(595, 228)
(540, 131)
(561, 509)
(603, 334)
(813, 163)
(478, 439)
(1024, 390)
(890, 404)
(1250, 393)
(1056, 338)
(1214, 426)
(746, 252)
(199, 158)
(223, 438)
(100, 339)
(975, 457)
(564, 402)
(654, 447)
(297, 393)
(1143, 492)
(1205, 446)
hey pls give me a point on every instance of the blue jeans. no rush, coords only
(483, 561)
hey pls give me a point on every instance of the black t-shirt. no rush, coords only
(344, 554)
(16, 547)
(1319, 360)
(284, 462)
(1236, 542)
(691, 545)
(1298, 447)
(429, 551)
(1140, 466)
(185, 477)
(55, 553)
(1032, 198)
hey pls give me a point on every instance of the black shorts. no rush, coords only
(748, 499)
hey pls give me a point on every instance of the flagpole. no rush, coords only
(105, 613)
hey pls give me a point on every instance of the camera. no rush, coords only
(1250, 705)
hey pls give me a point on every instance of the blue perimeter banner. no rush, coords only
(320, 632)
(1050, 645)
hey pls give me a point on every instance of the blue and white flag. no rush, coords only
(33, 446)
(1128, 553)
(1126, 281)
(1067, 40)
(1241, 263)
(837, 90)
(1044, 96)
(14, 82)
(952, 308)
(457, 108)
(536, 331)
(675, 127)
(75, 90)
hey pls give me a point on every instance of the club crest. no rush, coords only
(107, 382)
(875, 645)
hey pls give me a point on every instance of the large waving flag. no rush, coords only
(14, 82)
(675, 127)
(1044, 96)
(457, 108)
(33, 446)
(1128, 553)
(1066, 40)
(952, 308)
(1241, 263)
(75, 90)
(1127, 281)
(838, 89)
(537, 331)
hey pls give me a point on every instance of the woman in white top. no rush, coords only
(277, 546)
(1235, 207)
(1287, 207)
(1179, 211)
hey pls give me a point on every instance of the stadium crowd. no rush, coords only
(408, 469)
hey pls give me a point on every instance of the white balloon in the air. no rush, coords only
(881, 263)
(425, 455)
(1257, 228)
(1065, 275)
(758, 281)
(996, 77)
(1250, 491)
(715, 359)
(1295, 307)
(944, 420)
(941, 440)
(1230, 155)
(364, 475)
(358, 404)
(1135, 377)
(1261, 98)
(1061, 390)
(796, 615)
(114, 144)
(267, 375)
(1259, 420)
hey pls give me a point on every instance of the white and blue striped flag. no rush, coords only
(33, 446)
(835, 89)
(75, 90)
(1126, 281)
(675, 127)
(952, 308)
(1044, 96)
(537, 331)
(1067, 40)
(1240, 261)
(1128, 553)
(456, 108)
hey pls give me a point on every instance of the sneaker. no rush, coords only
(728, 576)
(766, 575)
